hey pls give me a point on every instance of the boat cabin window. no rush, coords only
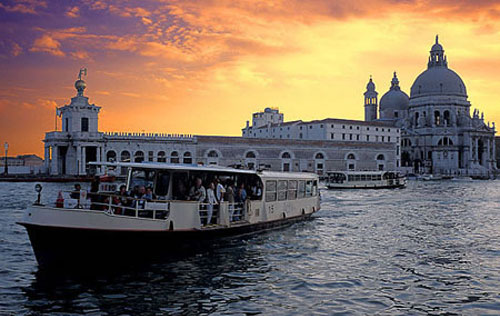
(271, 186)
(141, 178)
(292, 189)
(282, 190)
(302, 189)
(309, 185)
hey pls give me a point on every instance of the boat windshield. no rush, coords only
(176, 184)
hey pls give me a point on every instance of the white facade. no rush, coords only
(329, 144)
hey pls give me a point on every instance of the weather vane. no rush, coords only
(83, 71)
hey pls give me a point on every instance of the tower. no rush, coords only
(79, 115)
(371, 101)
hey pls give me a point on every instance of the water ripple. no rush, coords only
(432, 248)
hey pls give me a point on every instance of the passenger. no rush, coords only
(148, 196)
(219, 190)
(211, 201)
(197, 191)
(139, 197)
(241, 197)
(76, 193)
(229, 197)
(95, 199)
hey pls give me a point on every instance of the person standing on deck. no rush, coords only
(211, 200)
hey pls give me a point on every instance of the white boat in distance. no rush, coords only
(364, 180)
(81, 227)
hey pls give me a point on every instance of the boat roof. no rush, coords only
(218, 169)
(373, 172)
(172, 166)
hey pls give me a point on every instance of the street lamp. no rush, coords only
(6, 170)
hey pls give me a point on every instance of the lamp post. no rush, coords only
(6, 170)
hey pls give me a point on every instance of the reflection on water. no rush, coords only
(432, 248)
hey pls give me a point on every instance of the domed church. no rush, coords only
(438, 133)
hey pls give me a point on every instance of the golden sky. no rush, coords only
(203, 67)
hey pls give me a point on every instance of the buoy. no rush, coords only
(60, 200)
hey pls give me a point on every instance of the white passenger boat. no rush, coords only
(364, 180)
(82, 227)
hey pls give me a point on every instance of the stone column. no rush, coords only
(487, 158)
(476, 141)
(98, 158)
(78, 160)
(55, 161)
(46, 161)
(84, 159)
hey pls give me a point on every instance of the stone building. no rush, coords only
(438, 133)
(329, 144)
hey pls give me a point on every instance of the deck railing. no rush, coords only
(210, 214)
(116, 204)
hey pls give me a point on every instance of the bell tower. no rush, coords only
(371, 101)
(79, 115)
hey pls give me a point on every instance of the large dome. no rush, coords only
(394, 99)
(438, 79)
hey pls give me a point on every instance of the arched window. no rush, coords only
(187, 158)
(174, 157)
(446, 117)
(380, 157)
(437, 118)
(213, 154)
(162, 157)
(139, 156)
(286, 155)
(319, 156)
(250, 154)
(125, 156)
(351, 157)
(111, 156)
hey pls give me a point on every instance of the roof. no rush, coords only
(173, 166)
(328, 120)
(218, 169)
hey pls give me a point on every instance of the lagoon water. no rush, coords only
(432, 248)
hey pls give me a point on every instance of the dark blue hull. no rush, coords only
(72, 247)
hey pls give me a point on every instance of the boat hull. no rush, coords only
(71, 247)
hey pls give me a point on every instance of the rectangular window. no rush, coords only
(382, 138)
(150, 156)
(271, 191)
(292, 189)
(302, 189)
(309, 187)
(282, 190)
(332, 136)
(66, 127)
(350, 136)
(343, 136)
(357, 137)
(85, 124)
(367, 138)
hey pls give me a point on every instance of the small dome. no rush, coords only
(394, 99)
(438, 81)
(370, 86)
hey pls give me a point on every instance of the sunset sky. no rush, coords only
(203, 67)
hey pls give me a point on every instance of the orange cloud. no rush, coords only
(73, 12)
(47, 44)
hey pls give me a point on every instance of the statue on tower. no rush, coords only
(80, 85)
